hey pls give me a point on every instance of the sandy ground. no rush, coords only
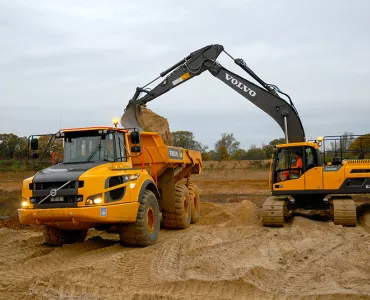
(228, 254)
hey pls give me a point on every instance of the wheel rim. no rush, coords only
(186, 206)
(150, 219)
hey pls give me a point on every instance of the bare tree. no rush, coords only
(228, 142)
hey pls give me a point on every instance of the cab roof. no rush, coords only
(78, 129)
(299, 144)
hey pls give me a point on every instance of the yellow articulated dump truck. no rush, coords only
(107, 178)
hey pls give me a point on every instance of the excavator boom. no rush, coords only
(266, 97)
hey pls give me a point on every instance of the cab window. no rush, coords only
(109, 147)
(288, 164)
(311, 159)
(120, 147)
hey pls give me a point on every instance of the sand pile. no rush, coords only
(224, 256)
(155, 123)
(366, 219)
(228, 215)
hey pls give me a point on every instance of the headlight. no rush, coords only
(94, 199)
(24, 203)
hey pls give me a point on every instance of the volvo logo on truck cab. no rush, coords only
(240, 85)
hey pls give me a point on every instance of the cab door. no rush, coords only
(313, 174)
(286, 177)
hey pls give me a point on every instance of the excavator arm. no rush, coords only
(266, 97)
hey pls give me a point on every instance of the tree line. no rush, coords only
(227, 147)
(15, 147)
(347, 146)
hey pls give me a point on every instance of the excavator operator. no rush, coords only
(294, 171)
(298, 165)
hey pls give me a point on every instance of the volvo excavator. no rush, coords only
(300, 179)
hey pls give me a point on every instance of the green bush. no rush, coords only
(21, 165)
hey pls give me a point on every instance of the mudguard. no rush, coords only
(150, 185)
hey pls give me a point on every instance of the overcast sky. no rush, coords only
(78, 63)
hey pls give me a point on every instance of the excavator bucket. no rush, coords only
(131, 117)
(142, 118)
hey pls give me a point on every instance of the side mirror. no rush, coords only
(135, 149)
(35, 155)
(135, 137)
(34, 144)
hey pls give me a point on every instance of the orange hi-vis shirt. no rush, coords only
(298, 163)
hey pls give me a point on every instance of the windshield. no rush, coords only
(90, 147)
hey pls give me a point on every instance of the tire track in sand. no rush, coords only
(225, 257)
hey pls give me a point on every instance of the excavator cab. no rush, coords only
(292, 163)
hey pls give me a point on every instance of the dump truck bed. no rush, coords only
(156, 157)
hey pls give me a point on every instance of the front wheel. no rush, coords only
(144, 232)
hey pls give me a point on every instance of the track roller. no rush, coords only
(274, 212)
(343, 212)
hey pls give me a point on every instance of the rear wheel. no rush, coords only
(195, 201)
(57, 237)
(144, 232)
(180, 217)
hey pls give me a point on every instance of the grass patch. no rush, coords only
(17, 165)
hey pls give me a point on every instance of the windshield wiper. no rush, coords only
(97, 148)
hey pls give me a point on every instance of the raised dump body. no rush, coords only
(111, 178)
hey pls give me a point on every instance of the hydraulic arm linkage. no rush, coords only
(265, 97)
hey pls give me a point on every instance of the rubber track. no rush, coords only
(273, 212)
(344, 212)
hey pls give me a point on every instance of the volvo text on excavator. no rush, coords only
(313, 184)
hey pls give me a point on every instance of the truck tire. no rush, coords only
(144, 232)
(180, 218)
(195, 202)
(57, 237)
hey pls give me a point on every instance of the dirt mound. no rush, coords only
(366, 219)
(12, 222)
(153, 122)
(228, 215)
